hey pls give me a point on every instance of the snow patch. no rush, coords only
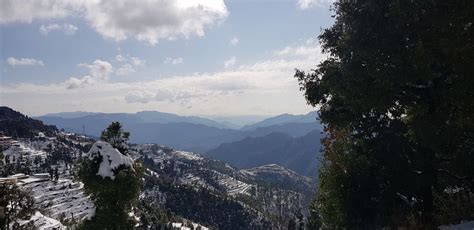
(462, 226)
(43, 222)
(111, 159)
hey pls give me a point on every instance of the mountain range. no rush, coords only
(183, 132)
(178, 186)
(300, 154)
(287, 140)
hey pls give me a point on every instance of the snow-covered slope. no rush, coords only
(267, 190)
(42, 222)
(468, 225)
(63, 200)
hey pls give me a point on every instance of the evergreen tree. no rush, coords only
(15, 204)
(115, 135)
(113, 198)
(396, 97)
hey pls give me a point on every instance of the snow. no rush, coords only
(469, 225)
(22, 151)
(64, 199)
(111, 159)
(270, 168)
(181, 226)
(43, 222)
(188, 155)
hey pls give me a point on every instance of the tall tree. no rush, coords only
(396, 96)
(114, 196)
(116, 136)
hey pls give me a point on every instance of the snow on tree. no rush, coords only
(112, 180)
(111, 159)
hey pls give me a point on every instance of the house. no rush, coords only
(6, 142)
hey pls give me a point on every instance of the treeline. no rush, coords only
(17, 125)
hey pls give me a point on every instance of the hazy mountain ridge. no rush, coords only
(297, 153)
(284, 119)
(139, 117)
(187, 133)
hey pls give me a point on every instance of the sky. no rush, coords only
(189, 57)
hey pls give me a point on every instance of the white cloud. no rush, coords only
(28, 10)
(147, 20)
(68, 29)
(137, 62)
(234, 41)
(119, 58)
(230, 62)
(173, 61)
(265, 87)
(306, 4)
(99, 71)
(129, 65)
(125, 69)
(139, 97)
(24, 62)
(298, 51)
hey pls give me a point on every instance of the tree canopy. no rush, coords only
(15, 204)
(115, 135)
(113, 198)
(396, 97)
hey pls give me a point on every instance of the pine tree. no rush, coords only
(115, 198)
(396, 96)
(115, 135)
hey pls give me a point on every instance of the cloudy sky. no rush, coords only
(190, 57)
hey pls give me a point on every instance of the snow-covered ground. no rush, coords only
(468, 225)
(182, 226)
(232, 185)
(22, 151)
(42, 222)
(63, 200)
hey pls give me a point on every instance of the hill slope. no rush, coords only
(299, 154)
(284, 119)
(13, 123)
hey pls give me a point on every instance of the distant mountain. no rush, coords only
(292, 129)
(15, 124)
(296, 153)
(189, 133)
(179, 135)
(139, 117)
(281, 176)
(238, 121)
(284, 119)
(70, 114)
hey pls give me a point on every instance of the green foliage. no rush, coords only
(115, 198)
(115, 135)
(395, 95)
(15, 204)
(15, 124)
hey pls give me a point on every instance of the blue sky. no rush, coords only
(202, 57)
